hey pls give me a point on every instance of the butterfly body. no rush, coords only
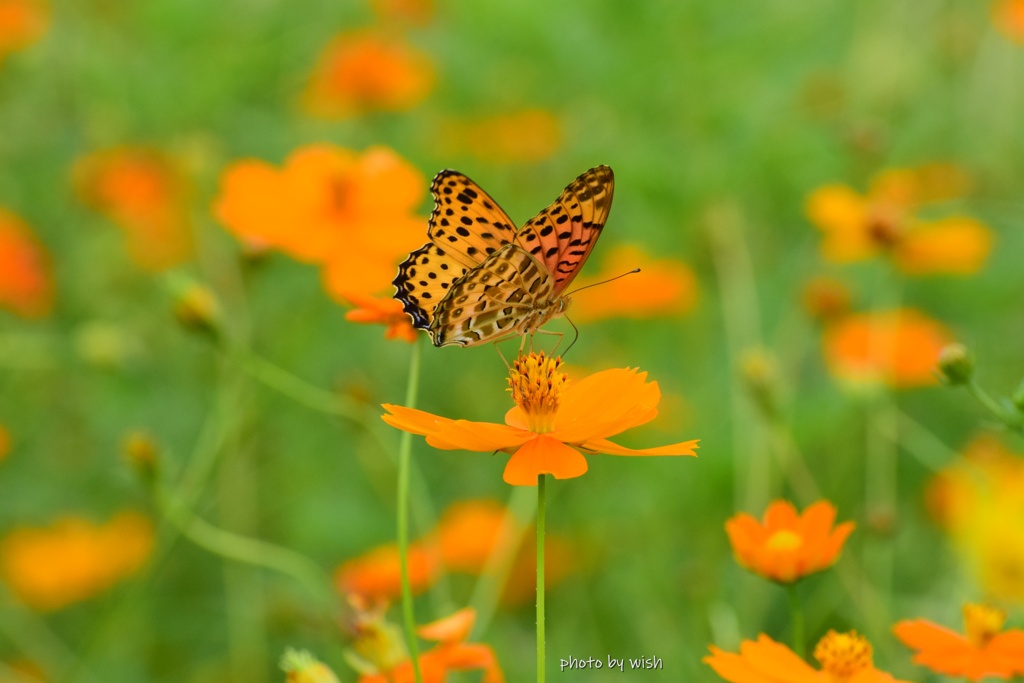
(479, 279)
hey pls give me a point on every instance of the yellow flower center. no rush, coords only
(842, 655)
(785, 540)
(536, 383)
(982, 622)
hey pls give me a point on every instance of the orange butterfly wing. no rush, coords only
(563, 235)
(465, 228)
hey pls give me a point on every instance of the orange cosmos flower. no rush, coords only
(22, 22)
(26, 282)
(382, 311)
(1008, 16)
(787, 547)
(352, 213)
(527, 136)
(379, 655)
(551, 422)
(367, 71)
(74, 559)
(376, 575)
(145, 195)
(663, 287)
(844, 658)
(900, 348)
(985, 650)
(858, 227)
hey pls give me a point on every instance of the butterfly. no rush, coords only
(480, 279)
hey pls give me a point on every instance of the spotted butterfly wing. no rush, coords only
(465, 227)
(563, 235)
(478, 279)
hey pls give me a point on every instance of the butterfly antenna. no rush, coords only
(603, 282)
(576, 330)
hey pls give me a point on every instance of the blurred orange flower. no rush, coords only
(26, 282)
(5, 442)
(526, 136)
(1008, 16)
(663, 287)
(844, 658)
(382, 311)
(900, 348)
(74, 559)
(985, 650)
(22, 22)
(352, 213)
(471, 532)
(786, 547)
(550, 421)
(979, 501)
(379, 655)
(859, 227)
(142, 192)
(367, 71)
(464, 541)
(376, 575)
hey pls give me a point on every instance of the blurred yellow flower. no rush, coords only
(526, 136)
(663, 287)
(302, 667)
(979, 501)
(899, 348)
(73, 559)
(352, 213)
(844, 658)
(26, 281)
(788, 546)
(22, 22)
(1008, 16)
(142, 192)
(551, 422)
(366, 71)
(858, 227)
(985, 650)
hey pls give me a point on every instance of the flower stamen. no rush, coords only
(536, 382)
(842, 655)
(982, 623)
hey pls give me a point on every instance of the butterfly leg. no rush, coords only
(558, 343)
(498, 349)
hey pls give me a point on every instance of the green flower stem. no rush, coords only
(243, 549)
(797, 613)
(540, 577)
(1011, 420)
(404, 465)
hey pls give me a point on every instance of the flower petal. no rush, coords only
(451, 629)
(448, 434)
(606, 403)
(609, 448)
(543, 455)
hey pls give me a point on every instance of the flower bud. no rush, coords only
(196, 308)
(140, 451)
(956, 365)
